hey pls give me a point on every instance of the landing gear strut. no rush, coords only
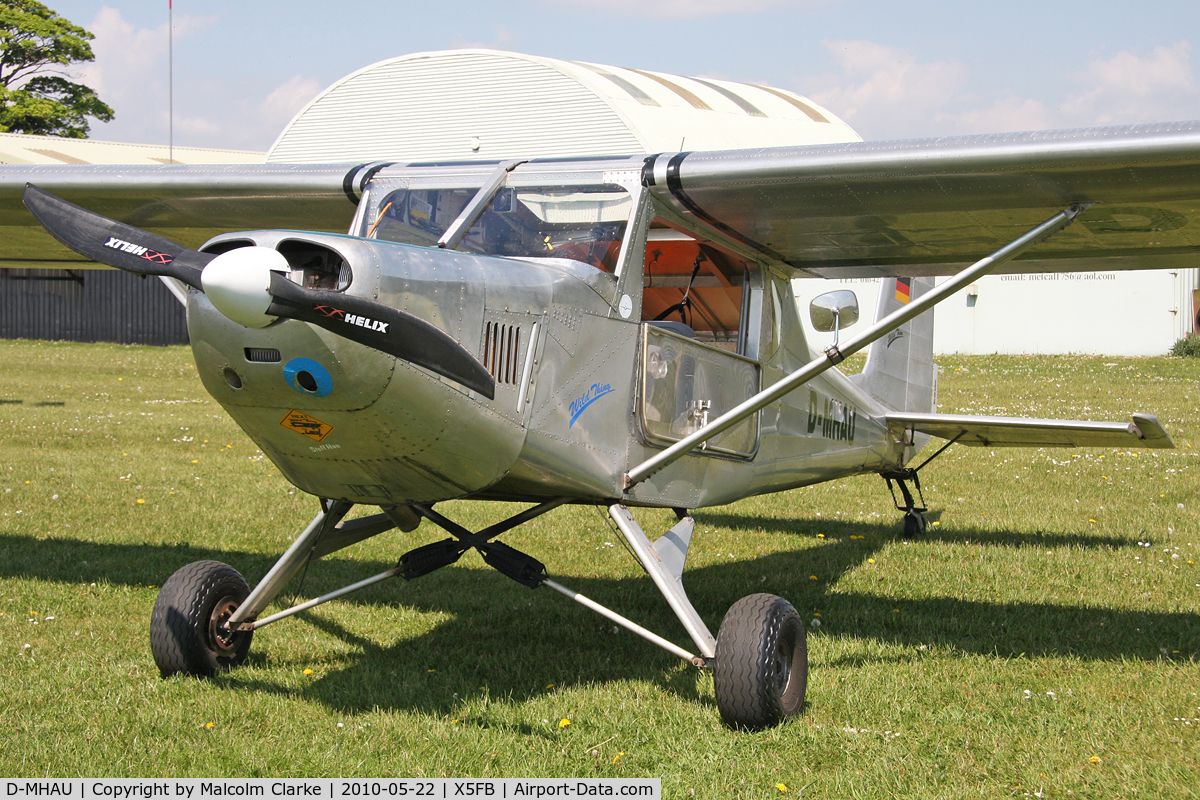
(205, 614)
(914, 515)
(759, 656)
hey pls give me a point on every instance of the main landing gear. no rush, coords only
(189, 631)
(205, 615)
(761, 670)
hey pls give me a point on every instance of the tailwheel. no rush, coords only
(914, 523)
(760, 672)
(188, 627)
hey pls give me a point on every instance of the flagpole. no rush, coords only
(171, 81)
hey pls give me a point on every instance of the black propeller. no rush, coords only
(250, 286)
(114, 243)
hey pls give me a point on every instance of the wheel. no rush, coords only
(760, 672)
(914, 524)
(186, 627)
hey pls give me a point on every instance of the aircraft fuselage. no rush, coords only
(582, 392)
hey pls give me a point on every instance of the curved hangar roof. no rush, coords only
(486, 104)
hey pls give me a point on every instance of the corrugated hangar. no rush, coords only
(489, 105)
(484, 104)
(95, 305)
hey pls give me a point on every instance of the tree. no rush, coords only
(35, 43)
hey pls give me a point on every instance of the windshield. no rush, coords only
(418, 216)
(582, 223)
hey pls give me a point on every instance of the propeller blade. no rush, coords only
(382, 327)
(114, 243)
(249, 285)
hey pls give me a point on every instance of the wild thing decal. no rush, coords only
(834, 420)
(579, 404)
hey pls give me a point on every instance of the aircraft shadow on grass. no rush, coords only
(515, 642)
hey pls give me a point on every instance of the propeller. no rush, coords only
(249, 285)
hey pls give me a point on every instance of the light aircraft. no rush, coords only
(619, 331)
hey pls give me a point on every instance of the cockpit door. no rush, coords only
(686, 384)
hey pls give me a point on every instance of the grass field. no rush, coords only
(1043, 639)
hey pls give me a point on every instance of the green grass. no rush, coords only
(1026, 635)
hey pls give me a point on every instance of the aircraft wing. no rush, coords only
(187, 204)
(1144, 431)
(863, 209)
(927, 207)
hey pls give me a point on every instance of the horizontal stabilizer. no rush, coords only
(1144, 431)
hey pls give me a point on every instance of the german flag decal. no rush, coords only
(903, 290)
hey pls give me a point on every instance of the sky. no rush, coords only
(243, 68)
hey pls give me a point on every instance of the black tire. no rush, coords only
(914, 524)
(760, 672)
(185, 626)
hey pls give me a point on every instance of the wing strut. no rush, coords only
(836, 355)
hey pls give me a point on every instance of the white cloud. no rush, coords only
(284, 102)
(1008, 114)
(121, 53)
(127, 76)
(244, 118)
(130, 73)
(887, 93)
(884, 91)
(193, 128)
(1129, 88)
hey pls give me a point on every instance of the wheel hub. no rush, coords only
(782, 663)
(220, 635)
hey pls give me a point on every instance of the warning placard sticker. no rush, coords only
(308, 426)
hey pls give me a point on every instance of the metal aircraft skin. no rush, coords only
(611, 331)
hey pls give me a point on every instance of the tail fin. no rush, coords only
(900, 372)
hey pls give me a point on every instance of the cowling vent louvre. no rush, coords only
(501, 349)
(263, 355)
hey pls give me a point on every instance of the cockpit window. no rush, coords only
(582, 223)
(417, 216)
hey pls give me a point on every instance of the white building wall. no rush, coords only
(1103, 313)
(1187, 296)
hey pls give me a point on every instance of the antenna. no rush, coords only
(171, 81)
